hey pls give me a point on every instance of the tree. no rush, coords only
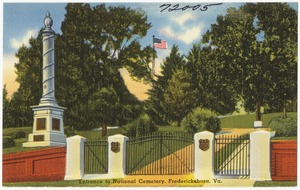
(156, 94)
(233, 42)
(6, 108)
(29, 68)
(213, 92)
(180, 96)
(201, 120)
(95, 43)
(243, 54)
(278, 22)
(141, 126)
(19, 109)
(103, 106)
(29, 76)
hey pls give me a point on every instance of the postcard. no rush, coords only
(149, 94)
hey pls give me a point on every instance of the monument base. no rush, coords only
(44, 143)
(45, 139)
(48, 127)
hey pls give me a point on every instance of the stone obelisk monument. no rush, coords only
(48, 127)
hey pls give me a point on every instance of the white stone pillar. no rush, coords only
(117, 156)
(260, 155)
(204, 151)
(48, 62)
(75, 158)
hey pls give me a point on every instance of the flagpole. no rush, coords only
(153, 62)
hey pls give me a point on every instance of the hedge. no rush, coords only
(284, 127)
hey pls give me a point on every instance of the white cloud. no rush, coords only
(187, 34)
(168, 31)
(191, 34)
(184, 27)
(181, 20)
(17, 43)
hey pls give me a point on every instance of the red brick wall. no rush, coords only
(284, 160)
(48, 164)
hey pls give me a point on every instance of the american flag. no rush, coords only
(160, 44)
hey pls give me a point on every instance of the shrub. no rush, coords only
(142, 125)
(284, 127)
(201, 120)
(69, 131)
(8, 142)
(18, 135)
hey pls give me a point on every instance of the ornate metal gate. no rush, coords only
(232, 156)
(160, 153)
(96, 157)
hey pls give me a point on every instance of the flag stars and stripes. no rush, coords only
(160, 44)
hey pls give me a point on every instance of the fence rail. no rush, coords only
(96, 157)
(232, 155)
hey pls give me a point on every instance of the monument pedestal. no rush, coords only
(48, 127)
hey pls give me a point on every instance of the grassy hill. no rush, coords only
(246, 121)
(240, 121)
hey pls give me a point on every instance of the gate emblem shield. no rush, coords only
(115, 147)
(204, 144)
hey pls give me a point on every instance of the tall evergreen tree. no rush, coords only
(180, 96)
(6, 110)
(154, 106)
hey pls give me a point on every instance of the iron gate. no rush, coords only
(96, 157)
(232, 155)
(160, 153)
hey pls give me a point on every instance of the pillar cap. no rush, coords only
(77, 137)
(48, 22)
(261, 131)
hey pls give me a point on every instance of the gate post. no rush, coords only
(204, 151)
(117, 156)
(75, 158)
(260, 155)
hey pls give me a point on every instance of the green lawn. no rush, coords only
(98, 134)
(18, 147)
(10, 131)
(246, 121)
(170, 128)
(284, 138)
(275, 184)
(19, 142)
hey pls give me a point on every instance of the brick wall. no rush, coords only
(47, 164)
(284, 160)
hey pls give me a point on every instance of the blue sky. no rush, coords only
(182, 28)
(179, 27)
